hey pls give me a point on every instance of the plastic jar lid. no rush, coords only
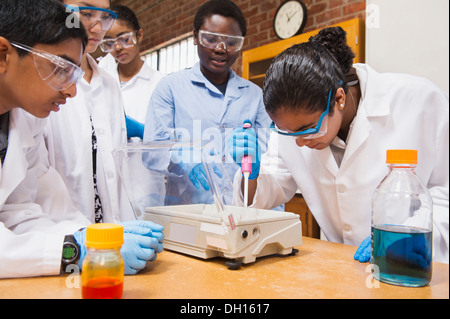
(104, 236)
(401, 156)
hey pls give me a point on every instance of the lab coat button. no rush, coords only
(342, 188)
(110, 175)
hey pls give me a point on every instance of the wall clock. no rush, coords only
(290, 19)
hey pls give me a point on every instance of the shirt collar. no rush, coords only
(234, 81)
(374, 91)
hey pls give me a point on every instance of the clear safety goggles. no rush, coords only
(89, 16)
(54, 70)
(311, 133)
(212, 40)
(125, 40)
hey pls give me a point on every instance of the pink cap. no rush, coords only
(246, 164)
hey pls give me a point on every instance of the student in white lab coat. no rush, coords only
(95, 115)
(37, 216)
(136, 78)
(82, 135)
(338, 159)
(39, 60)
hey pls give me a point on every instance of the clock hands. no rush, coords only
(291, 16)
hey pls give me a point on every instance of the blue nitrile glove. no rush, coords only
(364, 250)
(134, 226)
(198, 176)
(80, 237)
(245, 142)
(411, 252)
(134, 128)
(142, 241)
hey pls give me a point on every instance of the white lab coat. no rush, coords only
(396, 112)
(69, 141)
(137, 91)
(36, 211)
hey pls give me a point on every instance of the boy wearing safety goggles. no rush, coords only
(39, 68)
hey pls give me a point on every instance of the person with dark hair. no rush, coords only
(332, 124)
(39, 67)
(80, 139)
(136, 78)
(210, 99)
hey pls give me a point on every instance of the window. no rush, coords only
(174, 57)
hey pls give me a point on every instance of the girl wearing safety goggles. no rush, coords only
(332, 123)
(210, 96)
(82, 135)
(136, 78)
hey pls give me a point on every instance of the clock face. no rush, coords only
(289, 19)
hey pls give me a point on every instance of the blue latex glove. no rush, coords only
(411, 252)
(80, 237)
(364, 251)
(136, 227)
(245, 142)
(134, 128)
(136, 250)
(198, 176)
(142, 241)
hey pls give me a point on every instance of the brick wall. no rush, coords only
(164, 20)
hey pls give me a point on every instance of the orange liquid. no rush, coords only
(103, 288)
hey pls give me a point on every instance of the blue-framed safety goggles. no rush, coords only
(91, 15)
(319, 130)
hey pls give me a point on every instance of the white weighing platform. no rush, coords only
(240, 235)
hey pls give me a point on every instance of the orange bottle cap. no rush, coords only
(401, 156)
(104, 236)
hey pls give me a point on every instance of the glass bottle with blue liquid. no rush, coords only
(402, 224)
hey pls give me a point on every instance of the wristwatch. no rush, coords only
(70, 253)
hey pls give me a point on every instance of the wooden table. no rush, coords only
(319, 270)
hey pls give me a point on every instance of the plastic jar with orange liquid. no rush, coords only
(103, 267)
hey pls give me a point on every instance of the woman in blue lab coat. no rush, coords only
(209, 100)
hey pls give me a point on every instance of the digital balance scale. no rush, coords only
(198, 222)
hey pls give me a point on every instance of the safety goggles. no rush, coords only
(89, 16)
(126, 40)
(54, 70)
(212, 40)
(315, 132)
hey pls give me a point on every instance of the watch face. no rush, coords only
(69, 252)
(289, 19)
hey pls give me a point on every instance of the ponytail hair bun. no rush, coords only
(335, 41)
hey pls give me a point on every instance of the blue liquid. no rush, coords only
(402, 254)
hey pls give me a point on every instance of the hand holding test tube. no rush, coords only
(244, 149)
